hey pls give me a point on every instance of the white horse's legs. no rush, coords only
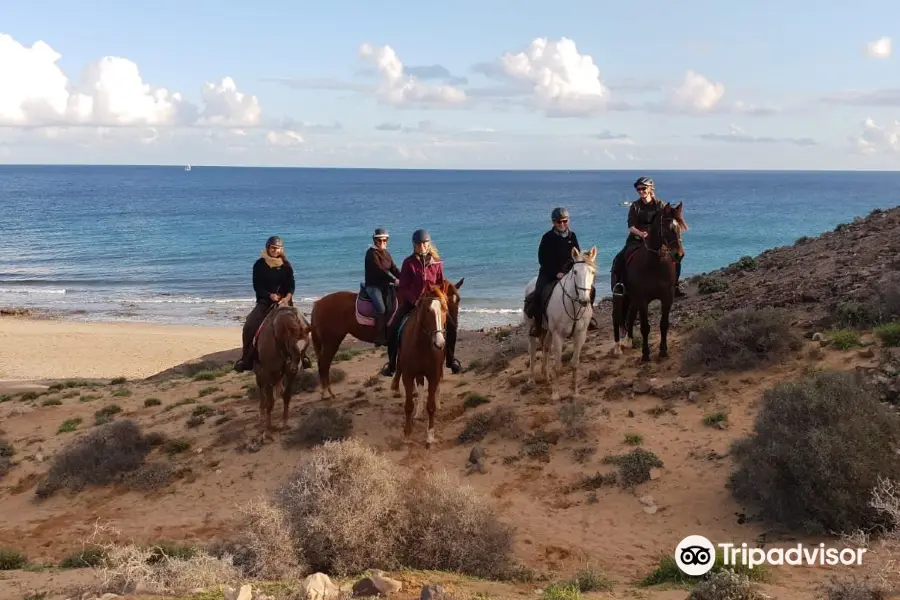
(556, 350)
(532, 351)
(580, 336)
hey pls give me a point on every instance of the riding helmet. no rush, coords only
(421, 236)
(558, 213)
(380, 233)
(274, 242)
(643, 182)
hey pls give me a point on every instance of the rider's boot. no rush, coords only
(380, 337)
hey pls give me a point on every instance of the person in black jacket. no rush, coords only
(640, 215)
(381, 274)
(555, 258)
(273, 282)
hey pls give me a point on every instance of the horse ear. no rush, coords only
(460, 283)
(575, 253)
(593, 253)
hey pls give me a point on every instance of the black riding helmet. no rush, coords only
(643, 182)
(421, 236)
(559, 212)
(380, 233)
(274, 242)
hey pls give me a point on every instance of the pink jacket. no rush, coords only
(414, 276)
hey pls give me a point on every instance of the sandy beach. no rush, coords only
(38, 349)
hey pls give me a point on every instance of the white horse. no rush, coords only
(568, 314)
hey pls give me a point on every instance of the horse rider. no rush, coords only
(381, 274)
(424, 266)
(555, 259)
(273, 282)
(640, 215)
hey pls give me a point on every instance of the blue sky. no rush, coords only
(775, 85)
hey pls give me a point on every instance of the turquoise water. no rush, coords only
(161, 244)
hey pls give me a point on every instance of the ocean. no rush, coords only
(166, 245)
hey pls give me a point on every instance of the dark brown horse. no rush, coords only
(420, 354)
(279, 355)
(338, 314)
(650, 275)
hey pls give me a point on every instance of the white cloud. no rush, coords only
(398, 88)
(284, 138)
(566, 83)
(34, 92)
(876, 140)
(736, 134)
(225, 105)
(696, 94)
(880, 48)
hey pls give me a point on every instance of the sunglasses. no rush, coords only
(561, 221)
(642, 189)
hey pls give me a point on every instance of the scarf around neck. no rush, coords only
(272, 262)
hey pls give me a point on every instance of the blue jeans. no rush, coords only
(377, 297)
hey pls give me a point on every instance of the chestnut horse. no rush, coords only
(333, 317)
(420, 352)
(650, 275)
(279, 354)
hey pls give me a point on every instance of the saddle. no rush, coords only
(365, 309)
(545, 298)
(400, 329)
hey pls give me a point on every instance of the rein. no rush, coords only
(574, 299)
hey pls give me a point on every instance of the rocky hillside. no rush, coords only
(597, 489)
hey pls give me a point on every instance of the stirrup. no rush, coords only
(621, 289)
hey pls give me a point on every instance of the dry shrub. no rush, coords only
(452, 528)
(881, 307)
(725, 585)
(818, 448)
(353, 511)
(149, 477)
(125, 566)
(266, 534)
(854, 588)
(323, 425)
(502, 420)
(740, 339)
(99, 457)
(345, 502)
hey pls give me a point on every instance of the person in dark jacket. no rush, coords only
(424, 266)
(381, 274)
(640, 215)
(555, 259)
(273, 282)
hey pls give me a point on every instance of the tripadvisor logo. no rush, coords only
(695, 555)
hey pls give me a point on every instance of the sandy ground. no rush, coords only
(558, 531)
(33, 349)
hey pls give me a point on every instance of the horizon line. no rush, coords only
(443, 169)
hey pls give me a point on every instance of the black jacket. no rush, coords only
(555, 253)
(380, 268)
(640, 215)
(272, 280)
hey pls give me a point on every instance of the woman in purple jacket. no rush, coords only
(422, 267)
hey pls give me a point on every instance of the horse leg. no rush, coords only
(408, 384)
(286, 394)
(532, 350)
(431, 407)
(328, 352)
(628, 341)
(664, 328)
(645, 333)
(419, 383)
(556, 343)
(277, 392)
(580, 336)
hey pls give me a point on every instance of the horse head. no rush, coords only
(583, 271)
(672, 224)
(451, 291)
(433, 308)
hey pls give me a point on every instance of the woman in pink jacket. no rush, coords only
(422, 267)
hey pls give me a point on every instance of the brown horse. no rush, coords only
(650, 275)
(338, 314)
(279, 354)
(420, 354)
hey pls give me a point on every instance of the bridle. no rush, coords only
(662, 237)
(577, 307)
